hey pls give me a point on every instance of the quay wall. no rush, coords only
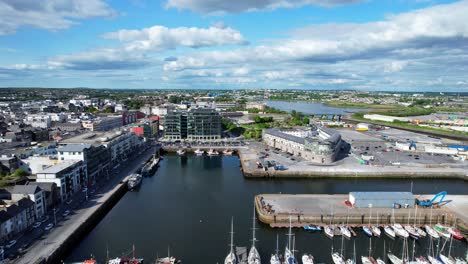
(352, 216)
(62, 239)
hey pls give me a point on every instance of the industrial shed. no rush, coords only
(381, 199)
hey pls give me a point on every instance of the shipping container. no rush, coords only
(381, 199)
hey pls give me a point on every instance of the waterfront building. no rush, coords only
(320, 146)
(256, 105)
(69, 175)
(33, 193)
(195, 124)
(96, 157)
(15, 217)
(104, 123)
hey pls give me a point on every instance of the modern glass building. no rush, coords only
(195, 124)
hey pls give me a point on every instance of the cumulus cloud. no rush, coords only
(222, 6)
(441, 27)
(162, 38)
(137, 46)
(49, 14)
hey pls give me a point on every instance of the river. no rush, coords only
(188, 204)
(311, 108)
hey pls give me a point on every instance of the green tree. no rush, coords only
(20, 173)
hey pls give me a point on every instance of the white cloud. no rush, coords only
(49, 14)
(223, 6)
(159, 38)
(395, 66)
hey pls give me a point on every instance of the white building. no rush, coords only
(256, 105)
(35, 164)
(386, 118)
(69, 175)
(42, 121)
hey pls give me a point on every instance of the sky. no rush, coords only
(370, 45)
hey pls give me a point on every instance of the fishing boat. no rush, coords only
(430, 231)
(231, 258)
(389, 232)
(307, 259)
(181, 152)
(329, 231)
(227, 152)
(275, 258)
(254, 257)
(400, 231)
(312, 228)
(199, 152)
(455, 233)
(134, 181)
(289, 257)
(412, 232)
(367, 231)
(442, 231)
(126, 260)
(345, 232)
(212, 152)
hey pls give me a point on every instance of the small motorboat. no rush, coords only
(212, 152)
(199, 152)
(312, 228)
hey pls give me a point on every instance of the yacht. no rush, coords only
(329, 231)
(442, 231)
(231, 258)
(389, 231)
(181, 152)
(254, 257)
(199, 152)
(431, 232)
(345, 232)
(400, 231)
(307, 259)
(213, 152)
(134, 181)
(275, 258)
(288, 251)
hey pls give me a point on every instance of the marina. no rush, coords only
(199, 229)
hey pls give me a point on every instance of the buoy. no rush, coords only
(200, 220)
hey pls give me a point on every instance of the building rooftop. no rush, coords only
(277, 132)
(73, 147)
(59, 166)
(382, 195)
(25, 189)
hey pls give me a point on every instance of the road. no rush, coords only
(43, 243)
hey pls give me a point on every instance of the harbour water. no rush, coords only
(187, 206)
(310, 107)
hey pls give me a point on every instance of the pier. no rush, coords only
(61, 239)
(304, 209)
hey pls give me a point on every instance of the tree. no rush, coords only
(20, 173)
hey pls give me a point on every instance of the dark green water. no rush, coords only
(188, 205)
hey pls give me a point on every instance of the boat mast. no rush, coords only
(232, 234)
(253, 227)
(277, 245)
(289, 234)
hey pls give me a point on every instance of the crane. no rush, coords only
(428, 203)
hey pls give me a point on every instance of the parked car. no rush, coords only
(48, 227)
(45, 219)
(10, 244)
(23, 248)
(69, 201)
(84, 189)
(66, 213)
(37, 224)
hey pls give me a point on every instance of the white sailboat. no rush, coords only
(275, 259)
(394, 259)
(181, 152)
(345, 231)
(417, 228)
(212, 152)
(231, 258)
(254, 257)
(288, 252)
(431, 232)
(379, 260)
(447, 259)
(307, 259)
(337, 257)
(375, 228)
(400, 231)
(389, 232)
(329, 231)
(368, 259)
(227, 152)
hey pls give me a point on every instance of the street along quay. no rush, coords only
(321, 210)
(51, 247)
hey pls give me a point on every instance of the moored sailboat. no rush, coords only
(231, 258)
(389, 232)
(254, 257)
(431, 232)
(275, 258)
(289, 257)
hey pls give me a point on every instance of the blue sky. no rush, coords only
(398, 45)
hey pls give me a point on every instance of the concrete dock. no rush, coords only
(61, 239)
(304, 209)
